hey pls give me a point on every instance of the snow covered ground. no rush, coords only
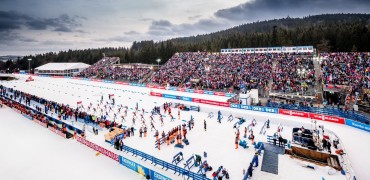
(217, 141)
(29, 151)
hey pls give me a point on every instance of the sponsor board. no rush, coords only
(358, 125)
(142, 170)
(247, 107)
(155, 94)
(150, 86)
(98, 148)
(334, 119)
(170, 96)
(122, 83)
(316, 116)
(186, 98)
(97, 80)
(189, 90)
(110, 82)
(216, 103)
(229, 95)
(294, 113)
(172, 88)
(199, 91)
(181, 89)
(237, 106)
(271, 110)
(219, 93)
(209, 92)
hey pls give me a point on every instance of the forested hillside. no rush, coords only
(327, 32)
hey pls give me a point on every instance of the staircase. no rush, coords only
(146, 77)
(318, 86)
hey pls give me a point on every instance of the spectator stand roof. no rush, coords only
(62, 66)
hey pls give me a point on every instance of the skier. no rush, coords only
(205, 125)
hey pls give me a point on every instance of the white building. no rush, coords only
(61, 69)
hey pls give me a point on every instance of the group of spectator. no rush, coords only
(346, 68)
(293, 73)
(106, 68)
(204, 70)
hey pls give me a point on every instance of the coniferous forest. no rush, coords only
(327, 32)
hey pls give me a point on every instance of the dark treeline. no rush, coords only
(327, 32)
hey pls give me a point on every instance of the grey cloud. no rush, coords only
(12, 20)
(132, 33)
(167, 29)
(194, 17)
(9, 37)
(271, 9)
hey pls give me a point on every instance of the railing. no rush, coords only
(164, 164)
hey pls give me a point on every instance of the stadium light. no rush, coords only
(29, 64)
(158, 61)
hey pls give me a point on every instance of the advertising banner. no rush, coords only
(120, 82)
(358, 125)
(98, 148)
(161, 87)
(247, 107)
(181, 89)
(237, 106)
(141, 169)
(219, 93)
(186, 98)
(271, 110)
(334, 119)
(229, 95)
(155, 94)
(199, 91)
(209, 92)
(189, 90)
(172, 88)
(294, 113)
(170, 96)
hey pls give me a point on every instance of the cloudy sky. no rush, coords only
(37, 26)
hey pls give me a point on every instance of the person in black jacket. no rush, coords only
(250, 170)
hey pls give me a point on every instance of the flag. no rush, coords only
(111, 95)
(79, 102)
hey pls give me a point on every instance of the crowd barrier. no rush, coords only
(164, 164)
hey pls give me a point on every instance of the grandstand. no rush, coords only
(289, 75)
(109, 69)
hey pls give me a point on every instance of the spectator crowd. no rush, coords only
(106, 69)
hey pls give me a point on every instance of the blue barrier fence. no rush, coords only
(165, 165)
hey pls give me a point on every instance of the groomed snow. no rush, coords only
(30, 151)
(217, 141)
